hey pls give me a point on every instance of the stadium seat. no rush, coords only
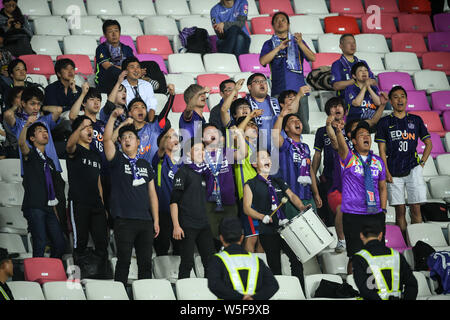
(212, 81)
(82, 63)
(442, 162)
(38, 78)
(173, 8)
(388, 80)
(133, 270)
(179, 105)
(423, 292)
(417, 101)
(103, 8)
(446, 120)
(386, 28)
(180, 81)
(394, 238)
(432, 121)
(437, 149)
(34, 8)
(316, 8)
(329, 42)
(351, 281)
(402, 62)
(127, 40)
(273, 6)
(438, 61)
(46, 45)
(184, 290)
(14, 244)
(316, 120)
(253, 10)
(429, 169)
(199, 22)
(334, 263)
(325, 59)
(289, 288)
(415, 23)
(447, 141)
(12, 220)
(415, 6)
(386, 6)
(439, 41)
(373, 60)
(63, 290)
(185, 63)
(221, 63)
(442, 21)
(51, 26)
(11, 194)
(352, 8)
(26, 290)
(160, 25)
(138, 8)
(152, 289)
(427, 232)
(307, 25)
(166, 267)
(374, 43)
(201, 7)
(312, 282)
(257, 42)
(89, 26)
(309, 42)
(440, 188)
(154, 44)
(431, 81)
(80, 45)
(10, 171)
(105, 290)
(262, 25)
(341, 25)
(153, 57)
(409, 42)
(42, 270)
(250, 63)
(68, 7)
(130, 26)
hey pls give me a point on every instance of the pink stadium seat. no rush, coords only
(438, 147)
(39, 64)
(179, 105)
(325, 59)
(415, 6)
(417, 100)
(262, 25)
(386, 6)
(387, 80)
(439, 41)
(341, 25)
(409, 42)
(153, 57)
(432, 121)
(128, 40)
(306, 68)
(347, 8)
(154, 44)
(212, 81)
(394, 238)
(42, 270)
(415, 23)
(442, 21)
(439, 61)
(386, 28)
(82, 63)
(274, 6)
(446, 120)
(440, 101)
(250, 63)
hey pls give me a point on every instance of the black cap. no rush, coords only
(5, 256)
(361, 125)
(231, 229)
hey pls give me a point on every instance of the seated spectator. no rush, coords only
(361, 98)
(226, 88)
(228, 19)
(285, 53)
(17, 29)
(191, 120)
(15, 77)
(292, 99)
(5, 56)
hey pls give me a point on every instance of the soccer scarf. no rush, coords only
(137, 179)
(304, 176)
(368, 183)
(293, 55)
(273, 196)
(215, 170)
(273, 104)
(116, 54)
(51, 196)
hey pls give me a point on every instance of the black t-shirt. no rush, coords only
(34, 183)
(84, 167)
(128, 201)
(5, 292)
(189, 192)
(262, 201)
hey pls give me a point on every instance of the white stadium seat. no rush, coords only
(80, 45)
(47, 45)
(316, 120)
(103, 8)
(373, 60)
(162, 26)
(68, 7)
(440, 187)
(257, 42)
(289, 289)
(374, 43)
(181, 81)
(38, 78)
(329, 42)
(10, 170)
(252, 9)
(89, 26)
(14, 244)
(184, 289)
(62, 290)
(199, 22)
(138, 8)
(426, 232)
(11, 194)
(152, 289)
(309, 267)
(313, 8)
(34, 8)
(402, 61)
(334, 263)
(51, 26)
(12, 220)
(430, 81)
(429, 170)
(351, 281)
(105, 290)
(447, 141)
(130, 26)
(202, 7)
(26, 290)
(312, 282)
(174, 8)
(442, 164)
(423, 290)
(166, 267)
(221, 63)
(310, 43)
(132, 272)
(307, 25)
(186, 63)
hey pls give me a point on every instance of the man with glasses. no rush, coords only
(226, 88)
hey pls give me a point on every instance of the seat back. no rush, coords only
(152, 289)
(250, 63)
(442, 21)
(166, 267)
(329, 42)
(325, 59)
(12, 242)
(139, 8)
(388, 80)
(312, 282)
(386, 27)
(409, 42)
(68, 7)
(160, 25)
(212, 81)
(88, 26)
(446, 120)
(442, 162)
(394, 238)
(423, 288)
(438, 148)
(289, 289)
(103, 8)
(439, 41)
(440, 100)
(80, 45)
(415, 6)
(153, 57)
(63, 290)
(317, 7)
(82, 63)
(51, 26)
(38, 64)
(154, 44)
(415, 23)
(374, 43)
(185, 62)
(221, 63)
(341, 25)
(347, 7)
(202, 7)
(386, 6)
(439, 61)
(184, 290)
(440, 189)
(273, 6)
(307, 25)
(426, 232)
(35, 8)
(262, 25)
(417, 100)
(431, 80)
(402, 61)
(11, 194)
(172, 8)
(10, 170)
(43, 270)
(257, 42)
(105, 290)
(26, 290)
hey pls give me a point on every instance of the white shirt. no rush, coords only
(145, 90)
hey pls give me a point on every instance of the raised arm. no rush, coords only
(373, 95)
(307, 51)
(224, 110)
(302, 91)
(379, 113)
(330, 131)
(23, 136)
(342, 144)
(110, 148)
(277, 137)
(112, 95)
(56, 111)
(76, 107)
(75, 136)
(266, 59)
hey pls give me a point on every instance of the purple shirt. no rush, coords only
(353, 188)
(192, 126)
(148, 135)
(367, 108)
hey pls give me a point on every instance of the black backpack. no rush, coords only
(320, 78)
(198, 42)
(434, 211)
(421, 252)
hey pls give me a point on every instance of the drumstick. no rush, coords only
(283, 201)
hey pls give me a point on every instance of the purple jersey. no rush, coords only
(220, 13)
(193, 127)
(367, 108)
(337, 170)
(353, 187)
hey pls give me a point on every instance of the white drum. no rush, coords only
(306, 235)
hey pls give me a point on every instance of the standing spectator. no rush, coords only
(226, 89)
(233, 108)
(192, 120)
(6, 272)
(134, 203)
(117, 98)
(228, 19)
(291, 99)
(10, 145)
(397, 136)
(285, 52)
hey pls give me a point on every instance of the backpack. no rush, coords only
(320, 78)
(198, 42)
(434, 211)
(421, 252)
(439, 264)
(330, 289)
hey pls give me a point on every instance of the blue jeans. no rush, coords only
(235, 41)
(44, 224)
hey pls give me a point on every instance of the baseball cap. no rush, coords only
(230, 228)
(5, 256)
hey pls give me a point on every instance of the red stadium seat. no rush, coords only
(179, 105)
(39, 64)
(415, 23)
(409, 42)
(341, 25)
(274, 6)
(432, 121)
(347, 8)
(262, 25)
(82, 62)
(415, 6)
(250, 63)
(439, 61)
(386, 27)
(44, 270)
(386, 6)
(325, 59)
(212, 81)
(154, 44)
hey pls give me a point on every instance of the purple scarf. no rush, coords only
(304, 174)
(215, 170)
(51, 196)
(273, 196)
(116, 54)
(137, 179)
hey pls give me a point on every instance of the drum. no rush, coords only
(306, 235)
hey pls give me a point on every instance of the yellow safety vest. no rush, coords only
(3, 293)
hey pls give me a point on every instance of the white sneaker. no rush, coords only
(340, 247)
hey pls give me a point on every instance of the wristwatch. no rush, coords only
(421, 162)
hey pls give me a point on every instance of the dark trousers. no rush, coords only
(61, 207)
(235, 41)
(272, 245)
(325, 212)
(129, 233)
(88, 220)
(43, 225)
(203, 238)
(162, 242)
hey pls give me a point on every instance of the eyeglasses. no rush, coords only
(259, 81)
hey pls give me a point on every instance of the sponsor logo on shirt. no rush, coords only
(399, 135)
(91, 163)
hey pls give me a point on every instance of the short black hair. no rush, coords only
(362, 124)
(282, 13)
(241, 119)
(127, 128)
(236, 103)
(357, 65)
(286, 119)
(13, 92)
(209, 124)
(345, 35)
(14, 63)
(78, 121)
(129, 60)
(224, 83)
(92, 93)
(397, 88)
(230, 228)
(349, 124)
(32, 129)
(109, 23)
(284, 94)
(32, 92)
(372, 230)
(191, 142)
(161, 135)
(133, 101)
(333, 102)
(63, 63)
(253, 76)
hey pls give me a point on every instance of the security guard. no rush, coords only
(381, 273)
(234, 274)
(6, 271)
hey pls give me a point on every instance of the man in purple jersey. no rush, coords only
(364, 191)
(191, 120)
